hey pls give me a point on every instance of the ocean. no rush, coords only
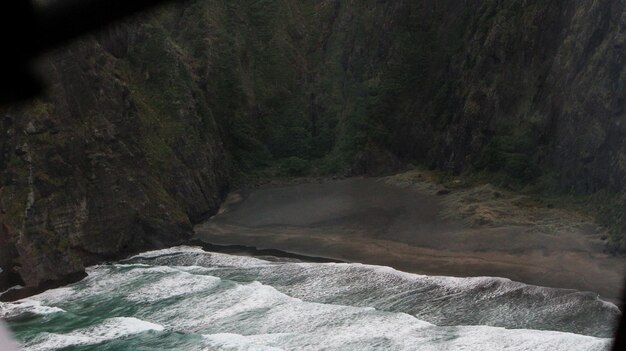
(185, 298)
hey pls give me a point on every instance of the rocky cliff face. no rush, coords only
(533, 88)
(98, 169)
(144, 123)
(533, 92)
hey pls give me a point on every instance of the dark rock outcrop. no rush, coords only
(86, 176)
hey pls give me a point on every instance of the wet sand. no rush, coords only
(370, 221)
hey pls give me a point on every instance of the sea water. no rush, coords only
(185, 298)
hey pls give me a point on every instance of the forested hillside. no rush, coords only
(146, 124)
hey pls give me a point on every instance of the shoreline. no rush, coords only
(270, 254)
(409, 228)
(434, 263)
(16, 293)
(344, 287)
(240, 250)
(321, 226)
(252, 251)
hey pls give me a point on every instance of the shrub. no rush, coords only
(294, 166)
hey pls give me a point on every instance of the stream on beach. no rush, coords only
(185, 298)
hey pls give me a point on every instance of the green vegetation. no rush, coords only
(311, 88)
(294, 166)
(302, 89)
(512, 155)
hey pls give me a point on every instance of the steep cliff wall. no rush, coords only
(531, 92)
(145, 124)
(99, 168)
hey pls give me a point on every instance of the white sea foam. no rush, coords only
(189, 256)
(26, 306)
(113, 328)
(444, 338)
(383, 273)
(243, 303)
(55, 296)
(172, 250)
(480, 338)
(294, 324)
(171, 286)
(15, 287)
(440, 300)
(222, 309)
(231, 341)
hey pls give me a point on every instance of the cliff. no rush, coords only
(146, 124)
(99, 168)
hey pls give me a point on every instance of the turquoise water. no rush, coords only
(188, 299)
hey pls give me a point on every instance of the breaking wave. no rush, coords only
(187, 299)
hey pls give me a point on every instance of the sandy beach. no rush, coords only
(408, 226)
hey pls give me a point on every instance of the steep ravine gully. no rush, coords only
(147, 125)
